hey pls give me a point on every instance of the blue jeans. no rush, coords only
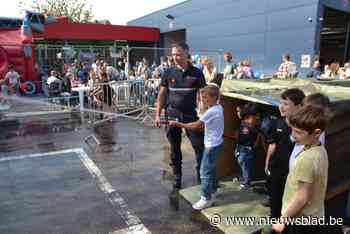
(208, 170)
(245, 156)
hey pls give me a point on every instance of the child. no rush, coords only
(280, 148)
(213, 122)
(347, 71)
(317, 100)
(306, 185)
(247, 141)
(239, 109)
(12, 79)
(245, 72)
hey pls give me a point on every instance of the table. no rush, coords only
(81, 90)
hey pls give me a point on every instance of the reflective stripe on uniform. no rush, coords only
(181, 89)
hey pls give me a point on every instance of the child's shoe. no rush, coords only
(244, 186)
(202, 203)
(213, 195)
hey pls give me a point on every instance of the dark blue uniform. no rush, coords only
(182, 87)
(279, 164)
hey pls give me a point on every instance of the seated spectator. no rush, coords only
(244, 71)
(53, 78)
(287, 69)
(316, 70)
(12, 79)
(332, 72)
(209, 71)
(238, 69)
(229, 67)
(54, 84)
(347, 71)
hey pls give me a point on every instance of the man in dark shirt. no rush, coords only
(280, 148)
(178, 95)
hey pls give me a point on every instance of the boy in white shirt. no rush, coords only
(213, 122)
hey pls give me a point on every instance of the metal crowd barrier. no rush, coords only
(124, 96)
(131, 98)
(111, 99)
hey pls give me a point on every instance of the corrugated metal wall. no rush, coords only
(261, 30)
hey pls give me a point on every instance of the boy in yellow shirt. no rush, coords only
(306, 185)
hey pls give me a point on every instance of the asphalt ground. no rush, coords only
(56, 178)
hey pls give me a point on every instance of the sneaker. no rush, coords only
(244, 187)
(213, 195)
(202, 204)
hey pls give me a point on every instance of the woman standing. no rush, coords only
(209, 70)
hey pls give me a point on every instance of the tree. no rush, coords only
(76, 10)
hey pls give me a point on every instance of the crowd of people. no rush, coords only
(333, 71)
(286, 70)
(99, 74)
(320, 71)
(70, 75)
(242, 70)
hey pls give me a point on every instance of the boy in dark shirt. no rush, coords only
(280, 148)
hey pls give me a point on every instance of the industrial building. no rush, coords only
(261, 30)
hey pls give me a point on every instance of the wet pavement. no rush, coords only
(47, 186)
